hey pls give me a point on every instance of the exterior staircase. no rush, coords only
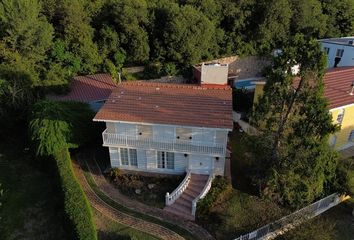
(183, 205)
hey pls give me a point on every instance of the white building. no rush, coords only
(170, 129)
(340, 51)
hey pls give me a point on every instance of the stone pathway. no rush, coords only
(112, 213)
(158, 213)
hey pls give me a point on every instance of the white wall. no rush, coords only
(147, 158)
(347, 58)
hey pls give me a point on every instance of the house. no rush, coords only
(91, 89)
(340, 51)
(338, 89)
(170, 129)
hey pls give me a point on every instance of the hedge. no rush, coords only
(76, 205)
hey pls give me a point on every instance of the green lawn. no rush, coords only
(31, 206)
(110, 230)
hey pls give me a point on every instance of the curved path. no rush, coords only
(114, 214)
(158, 213)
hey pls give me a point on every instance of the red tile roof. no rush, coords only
(171, 104)
(337, 83)
(89, 88)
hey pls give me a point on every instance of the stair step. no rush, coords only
(180, 212)
(196, 184)
(184, 202)
(180, 208)
(192, 192)
(194, 188)
(187, 197)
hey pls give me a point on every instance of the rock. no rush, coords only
(137, 191)
(151, 186)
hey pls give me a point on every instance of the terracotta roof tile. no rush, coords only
(89, 88)
(173, 104)
(338, 85)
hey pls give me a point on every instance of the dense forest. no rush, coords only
(45, 42)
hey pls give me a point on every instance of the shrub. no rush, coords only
(218, 187)
(76, 205)
(169, 69)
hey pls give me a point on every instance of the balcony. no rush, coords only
(114, 139)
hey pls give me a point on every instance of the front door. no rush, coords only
(200, 164)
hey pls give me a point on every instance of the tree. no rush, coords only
(308, 18)
(25, 37)
(73, 27)
(55, 126)
(129, 19)
(188, 37)
(295, 123)
(275, 27)
(340, 17)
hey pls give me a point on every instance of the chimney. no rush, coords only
(214, 73)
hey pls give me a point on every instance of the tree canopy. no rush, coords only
(294, 121)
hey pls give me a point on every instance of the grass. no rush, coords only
(111, 230)
(239, 213)
(184, 233)
(32, 207)
(240, 210)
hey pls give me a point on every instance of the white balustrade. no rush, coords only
(114, 139)
(171, 198)
(202, 194)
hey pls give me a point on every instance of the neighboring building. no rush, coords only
(338, 89)
(340, 51)
(236, 71)
(167, 128)
(91, 89)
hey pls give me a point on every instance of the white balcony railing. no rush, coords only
(114, 139)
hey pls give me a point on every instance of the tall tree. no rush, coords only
(129, 20)
(340, 20)
(295, 123)
(74, 28)
(26, 36)
(308, 18)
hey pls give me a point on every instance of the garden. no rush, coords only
(148, 188)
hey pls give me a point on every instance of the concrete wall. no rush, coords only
(214, 74)
(244, 67)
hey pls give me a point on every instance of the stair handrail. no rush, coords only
(203, 193)
(171, 198)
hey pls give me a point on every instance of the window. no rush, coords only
(124, 156)
(133, 159)
(128, 159)
(340, 116)
(351, 136)
(166, 160)
(326, 50)
(340, 53)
